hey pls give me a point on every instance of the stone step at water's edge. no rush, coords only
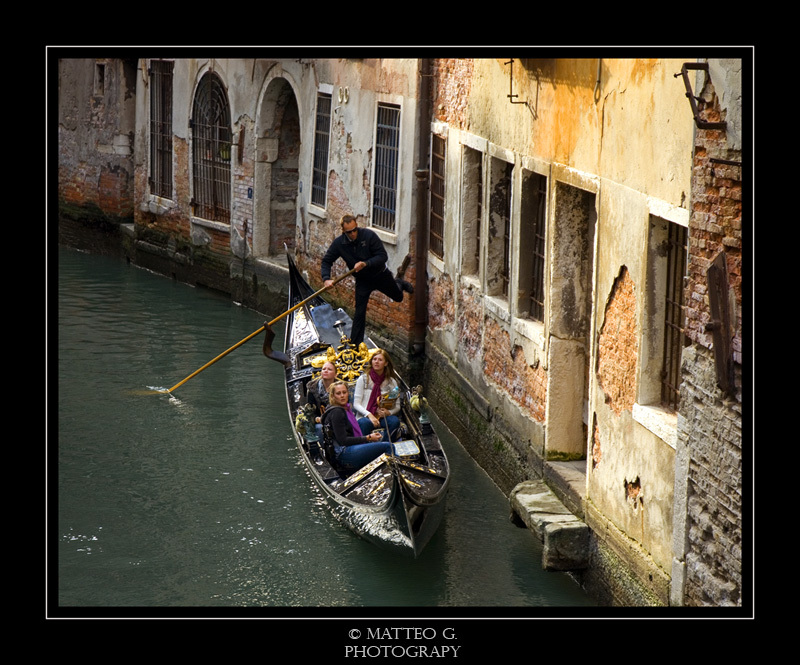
(565, 536)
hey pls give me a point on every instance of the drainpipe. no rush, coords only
(421, 258)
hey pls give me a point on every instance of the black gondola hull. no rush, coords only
(396, 503)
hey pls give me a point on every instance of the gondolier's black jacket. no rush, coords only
(367, 247)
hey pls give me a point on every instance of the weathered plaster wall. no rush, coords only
(357, 86)
(273, 114)
(95, 144)
(614, 138)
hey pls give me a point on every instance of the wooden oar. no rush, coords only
(253, 334)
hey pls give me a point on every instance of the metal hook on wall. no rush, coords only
(702, 66)
(511, 96)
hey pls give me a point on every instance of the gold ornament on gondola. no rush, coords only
(350, 361)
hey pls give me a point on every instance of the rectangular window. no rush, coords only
(387, 150)
(99, 79)
(161, 128)
(436, 222)
(498, 267)
(531, 253)
(319, 184)
(471, 210)
(674, 315)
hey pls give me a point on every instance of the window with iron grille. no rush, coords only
(387, 150)
(161, 128)
(211, 151)
(436, 222)
(533, 224)
(319, 183)
(674, 315)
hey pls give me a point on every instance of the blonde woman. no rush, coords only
(317, 392)
(353, 449)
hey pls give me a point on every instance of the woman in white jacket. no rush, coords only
(376, 399)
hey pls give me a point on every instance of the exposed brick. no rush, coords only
(505, 365)
(618, 347)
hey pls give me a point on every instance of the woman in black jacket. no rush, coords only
(352, 449)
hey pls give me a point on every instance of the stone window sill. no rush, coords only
(661, 422)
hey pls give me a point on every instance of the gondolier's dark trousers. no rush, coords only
(384, 282)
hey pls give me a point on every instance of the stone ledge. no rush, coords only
(565, 536)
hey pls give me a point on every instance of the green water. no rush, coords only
(165, 503)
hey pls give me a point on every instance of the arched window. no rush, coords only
(211, 151)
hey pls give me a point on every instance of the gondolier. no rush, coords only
(361, 249)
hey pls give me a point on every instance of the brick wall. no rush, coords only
(618, 346)
(716, 226)
(96, 188)
(242, 204)
(441, 303)
(711, 429)
(710, 423)
(470, 322)
(505, 366)
(453, 78)
(385, 317)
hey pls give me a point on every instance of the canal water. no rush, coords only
(165, 503)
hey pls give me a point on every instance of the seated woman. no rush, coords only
(375, 401)
(317, 393)
(351, 447)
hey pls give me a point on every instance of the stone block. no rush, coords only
(565, 536)
(566, 546)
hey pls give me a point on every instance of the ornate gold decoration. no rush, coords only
(350, 361)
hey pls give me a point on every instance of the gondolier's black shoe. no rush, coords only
(404, 285)
(401, 271)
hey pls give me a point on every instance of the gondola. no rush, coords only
(396, 501)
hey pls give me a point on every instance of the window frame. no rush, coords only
(160, 176)
(531, 290)
(322, 139)
(386, 167)
(500, 211)
(649, 409)
(472, 208)
(438, 195)
(211, 151)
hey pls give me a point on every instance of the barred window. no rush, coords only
(211, 151)
(161, 128)
(674, 315)
(436, 222)
(319, 183)
(531, 254)
(387, 147)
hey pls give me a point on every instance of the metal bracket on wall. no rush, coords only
(702, 66)
(511, 96)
